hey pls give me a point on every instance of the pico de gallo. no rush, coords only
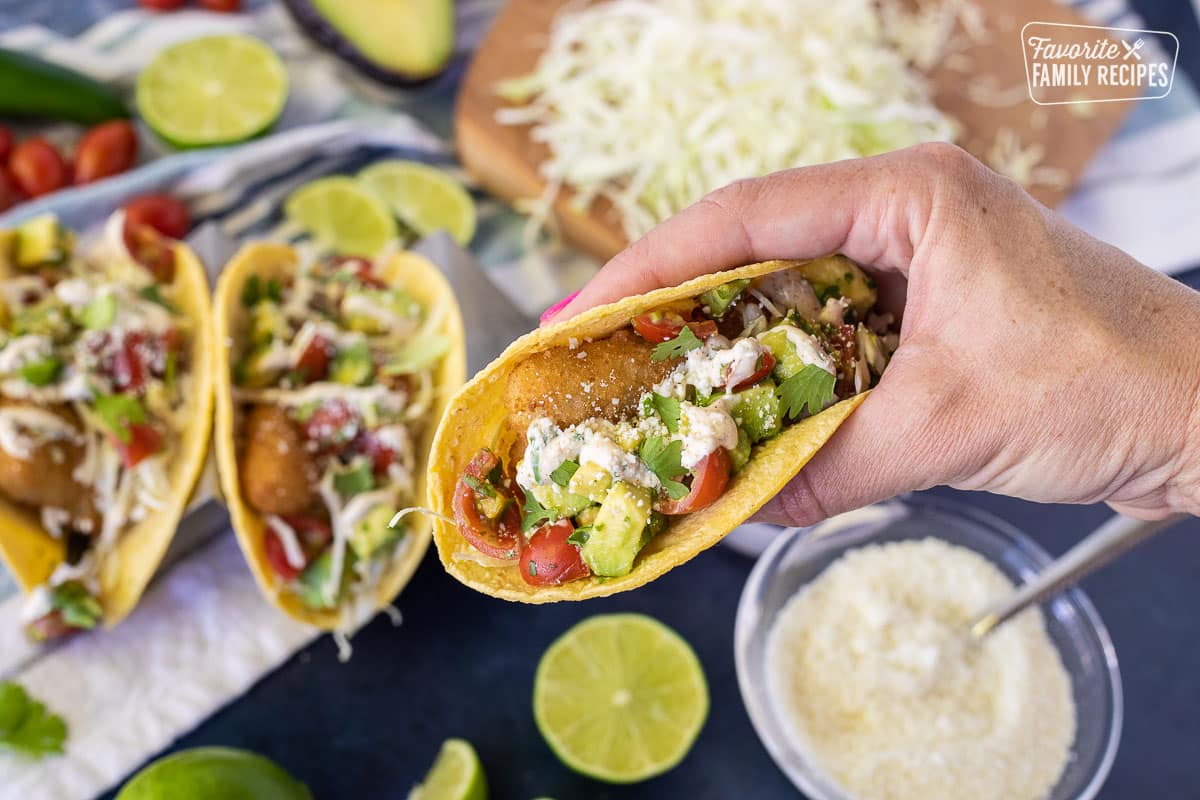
(94, 379)
(618, 435)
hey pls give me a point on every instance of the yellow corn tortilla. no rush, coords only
(477, 418)
(426, 284)
(32, 554)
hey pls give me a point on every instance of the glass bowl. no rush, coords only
(798, 555)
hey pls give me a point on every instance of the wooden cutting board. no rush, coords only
(505, 160)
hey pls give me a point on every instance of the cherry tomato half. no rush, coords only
(314, 361)
(276, 555)
(152, 250)
(663, 326)
(221, 5)
(161, 212)
(144, 441)
(549, 559)
(110, 148)
(7, 140)
(160, 5)
(709, 480)
(766, 363)
(10, 195)
(314, 533)
(37, 167)
(498, 538)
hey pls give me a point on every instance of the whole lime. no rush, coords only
(210, 772)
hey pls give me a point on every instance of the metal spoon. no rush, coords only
(1112, 539)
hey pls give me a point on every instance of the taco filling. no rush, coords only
(94, 375)
(615, 436)
(336, 377)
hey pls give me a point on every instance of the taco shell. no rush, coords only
(477, 418)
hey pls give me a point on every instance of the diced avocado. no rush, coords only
(563, 502)
(837, 275)
(42, 241)
(491, 505)
(787, 360)
(99, 313)
(372, 535)
(353, 365)
(617, 532)
(258, 369)
(267, 322)
(586, 517)
(311, 584)
(717, 301)
(43, 371)
(393, 302)
(756, 411)
(656, 525)
(48, 318)
(740, 455)
(592, 481)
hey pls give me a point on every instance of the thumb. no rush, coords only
(902, 438)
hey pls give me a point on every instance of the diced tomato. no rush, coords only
(149, 248)
(314, 361)
(221, 5)
(498, 538)
(144, 441)
(362, 269)
(109, 148)
(332, 425)
(172, 339)
(49, 626)
(277, 556)
(549, 559)
(129, 368)
(709, 480)
(380, 454)
(162, 212)
(37, 167)
(314, 533)
(766, 363)
(160, 5)
(663, 326)
(10, 194)
(7, 140)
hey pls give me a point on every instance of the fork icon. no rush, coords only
(1132, 49)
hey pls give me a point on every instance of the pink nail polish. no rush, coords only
(557, 307)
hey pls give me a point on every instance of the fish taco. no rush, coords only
(330, 379)
(596, 454)
(105, 411)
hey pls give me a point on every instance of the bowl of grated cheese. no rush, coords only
(858, 675)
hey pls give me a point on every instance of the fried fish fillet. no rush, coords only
(605, 378)
(278, 473)
(44, 477)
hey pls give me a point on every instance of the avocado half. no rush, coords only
(398, 42)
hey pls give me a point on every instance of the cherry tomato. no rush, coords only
(7, 140)
(362, 269)
(314, 361)
(314, 533)
(10, 195)
(663, 326)
(332, 425)
(110, 148)
(144, 441)
(709, 480)
(221, 5)
(380, 454)
(161, 212)
(549, 559)
(152, 250)
(160, 5)
(766, 363)
(49, 626)
(130, 364)
(277, 556)
(37, 167)
(498, 538)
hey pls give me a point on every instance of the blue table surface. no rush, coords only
(462, 664)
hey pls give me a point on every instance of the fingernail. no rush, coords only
(550, 312)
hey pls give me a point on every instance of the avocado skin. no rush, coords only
(315, 23)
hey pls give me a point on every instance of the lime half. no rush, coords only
(456, 774)
(212, 90)
(341, 215)
(423, 197)
(620, 698)
(206, 772)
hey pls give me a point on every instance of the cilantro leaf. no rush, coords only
(78, 607)
(580, 536)
(667, 409)
(677, 347)
(663, 459)
(251, 291)
(535, 514)
(479, 486)
(355, 480)
(26, 726)
(811, 387)
(562, 475)
(119, 413)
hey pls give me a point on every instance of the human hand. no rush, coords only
(1034, 360)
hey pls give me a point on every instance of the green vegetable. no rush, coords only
(48, 318)
(667, 409)
(31, 87)
(153, 294)
(119, 412)
(663, 459)
(255, 290)
(838, 276)
(417, 355)
(26, 726)
(79, 608)
(717, 301)
(267, 323)
(677, 347)
(312, 584)
(811, 387)
(617, 534)
(43, 371)
(558, 500)
(372, 533)
(353, 366)
(756, 411)
(534, 514)
(41, 240)
(99, 313)
(562, 475)
(591, 481)
(480, 487)
(579, 536)
(358, 478)
(740, 455)
(393, 301)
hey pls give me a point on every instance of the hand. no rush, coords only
(1034, 361)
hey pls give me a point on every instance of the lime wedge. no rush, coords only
(456, 774)
(212, 90)
(423, 197)
(343, 216)
(620, 698)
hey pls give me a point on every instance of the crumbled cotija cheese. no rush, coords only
(872, 668)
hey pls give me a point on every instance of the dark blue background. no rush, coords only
(462, 664)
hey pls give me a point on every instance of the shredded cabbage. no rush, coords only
(651, 105)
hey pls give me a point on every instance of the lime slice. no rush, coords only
(212, 90)
(343, 216)
(205, 772)
(456, 774)
(423, 197)
(620, 698)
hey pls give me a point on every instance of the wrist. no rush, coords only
(1183, 489)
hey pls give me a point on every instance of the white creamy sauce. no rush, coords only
(365, 305)
(590, 442)
(715, 365)
(808, 349)
(703, 429)
(872, 671)
(24, 427)
(22, 350)
(363, 398)
(287, 537)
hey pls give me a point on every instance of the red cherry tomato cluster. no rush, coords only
(34, 167)
(172, 5)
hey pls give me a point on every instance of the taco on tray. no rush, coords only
(596, 454)
(330, 378)
(105, 409)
